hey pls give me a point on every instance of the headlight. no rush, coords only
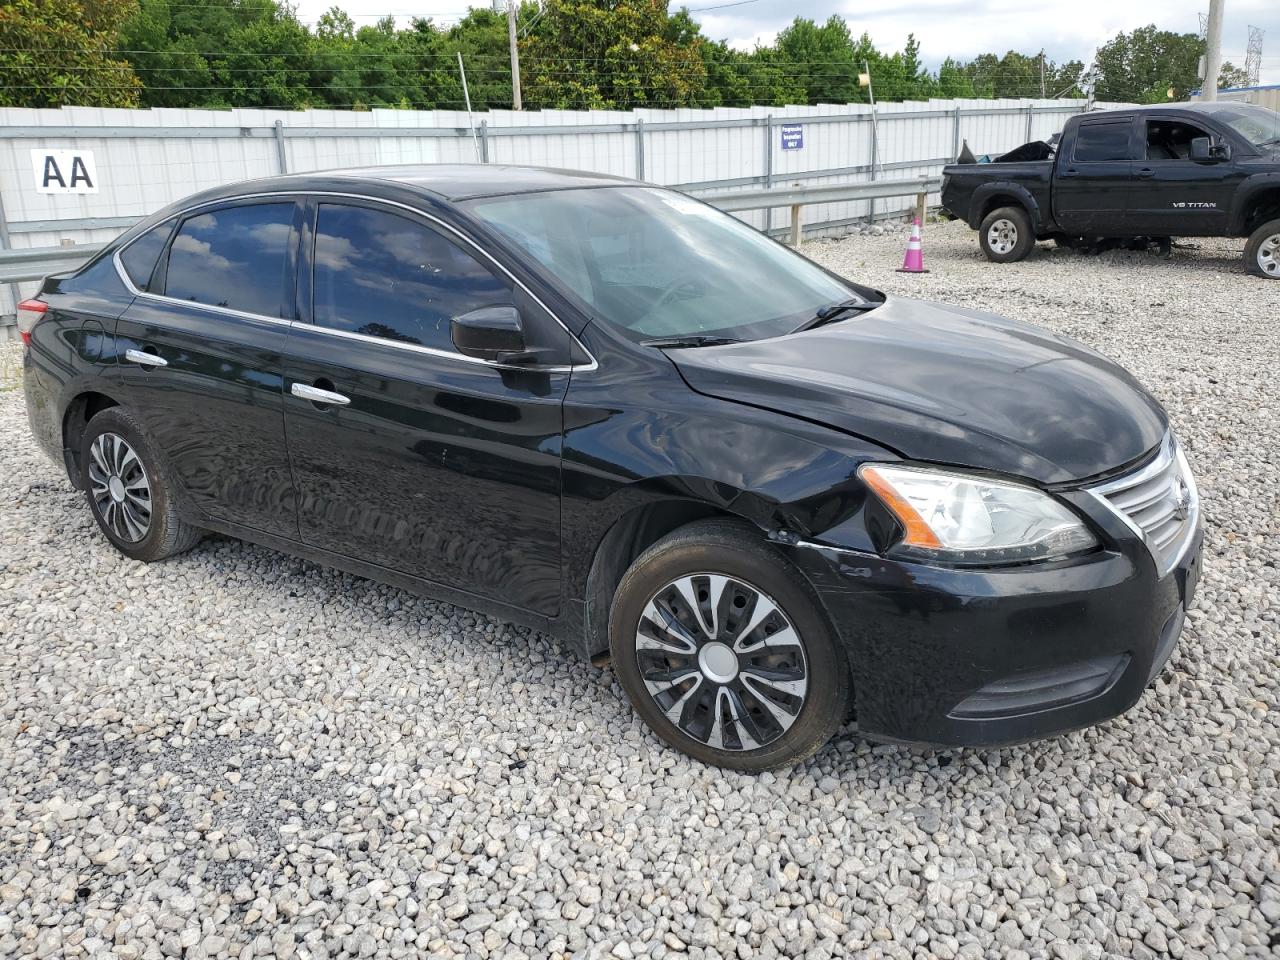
(972, 520)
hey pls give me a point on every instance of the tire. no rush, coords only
(719, 712)
(128, 490)
(1262, 252)
(1006, 235)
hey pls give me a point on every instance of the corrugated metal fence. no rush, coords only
(145, 159)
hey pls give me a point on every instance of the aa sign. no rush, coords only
(64, 171)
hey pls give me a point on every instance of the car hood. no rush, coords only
(945, 385)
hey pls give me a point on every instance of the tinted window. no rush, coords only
(385, 275)
(234, 257)
(139, 258)
(1103, 141)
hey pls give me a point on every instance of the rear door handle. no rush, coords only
(1146, 173)
(145, 359)
(316, 395)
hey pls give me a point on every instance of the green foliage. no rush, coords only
(1153, 66)
(56, 54)
(1144, 65)
(575, 54)
(588, 54)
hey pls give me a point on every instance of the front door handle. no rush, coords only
(145, 359)
(316, 395)
(1146, 173)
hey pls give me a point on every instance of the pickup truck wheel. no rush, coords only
(1262, 253)
(1005, 235)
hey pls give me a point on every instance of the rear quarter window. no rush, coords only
(139, 257)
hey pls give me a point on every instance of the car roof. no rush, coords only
(1212, 106)
(465, 181)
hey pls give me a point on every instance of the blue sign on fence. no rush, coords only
(793, 137)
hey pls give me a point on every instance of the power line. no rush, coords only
(721, 6)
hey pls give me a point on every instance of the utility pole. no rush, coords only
(515, 55)
(1213, 55)
(1042, 73)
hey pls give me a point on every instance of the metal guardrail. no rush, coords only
(36, 263)
(797, 197)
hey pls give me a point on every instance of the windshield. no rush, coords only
(1258, 125)
(655, 263)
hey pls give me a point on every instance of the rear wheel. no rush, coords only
(1006, 235)
(127, 490)
(723, 652)
(1262, 252)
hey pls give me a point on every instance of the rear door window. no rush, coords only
(384, 275)
(1103, 141)
(139, 257)
(234, 257)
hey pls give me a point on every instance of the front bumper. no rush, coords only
(957, 657)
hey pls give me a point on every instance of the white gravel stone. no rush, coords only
(238, 754)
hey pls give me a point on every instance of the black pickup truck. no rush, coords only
(1188, 169)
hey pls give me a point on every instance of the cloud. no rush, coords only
(209, 260)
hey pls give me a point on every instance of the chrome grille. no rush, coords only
(1159, 502)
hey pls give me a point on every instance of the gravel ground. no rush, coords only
(239, 754)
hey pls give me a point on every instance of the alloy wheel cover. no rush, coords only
(120, 487)
(723, 662)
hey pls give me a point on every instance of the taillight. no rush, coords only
(29, 312)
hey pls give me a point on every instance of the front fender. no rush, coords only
(775, 472)
(1247, 196)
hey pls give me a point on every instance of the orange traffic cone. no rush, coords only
(913, 262)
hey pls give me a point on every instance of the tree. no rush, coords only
(169, 60)
(481, 38)
(610, 54)
(267, 63)
(820, 60)
(1229, 75)
(56, 54)
(1153, 66)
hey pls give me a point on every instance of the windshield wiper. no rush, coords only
(692, 340)
(1268, 143)
(834, 311)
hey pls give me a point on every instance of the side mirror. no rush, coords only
(1209, 148)
(490, 333)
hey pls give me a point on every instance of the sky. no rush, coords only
(957, 28)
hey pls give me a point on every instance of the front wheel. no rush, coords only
(723, 652)
(1262, 252)
(1006, 235)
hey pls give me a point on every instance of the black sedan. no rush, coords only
(600, 408)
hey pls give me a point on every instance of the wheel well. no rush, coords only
(1265, 207)
(80, 411)
(998, 201)
(631, 535)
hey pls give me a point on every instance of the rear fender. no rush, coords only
(1018, 193)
